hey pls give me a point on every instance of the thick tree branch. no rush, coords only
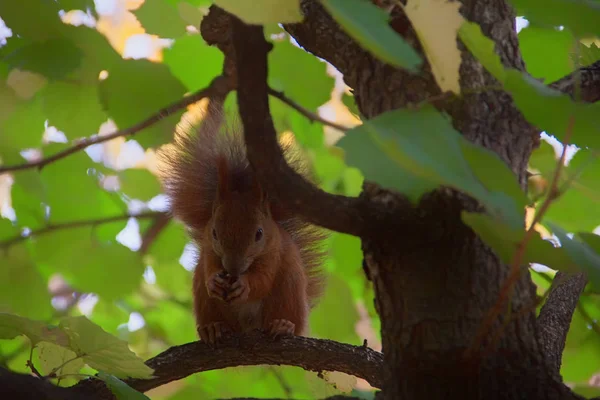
(588, 80)
(354, 216)
(217, 87)
(77, 224)
(555, 316)
(254, 348)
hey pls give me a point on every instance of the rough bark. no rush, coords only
(556, 314)
(254, 348)
(432, 297)
(435, 281)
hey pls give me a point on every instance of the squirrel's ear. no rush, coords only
(261, 195)
(222, 178)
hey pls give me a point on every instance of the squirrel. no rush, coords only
(259, 265)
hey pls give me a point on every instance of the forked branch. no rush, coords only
(254, 348)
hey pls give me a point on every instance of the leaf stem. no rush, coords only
(508, 286)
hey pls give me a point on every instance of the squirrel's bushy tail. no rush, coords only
(190, 175)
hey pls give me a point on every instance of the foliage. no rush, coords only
(60, 82)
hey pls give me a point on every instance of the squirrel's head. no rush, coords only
(241, 224)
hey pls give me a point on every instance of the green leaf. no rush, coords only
(581, 355)
(139, 184)
(172, 322)
(353, 181)
(102, 351)
(582, 252)
(483, 48)
(263, 11)
(193, 62)
(22, 130)
(9, 101)
(53, 58)
(39, 25)
(338, 301)
(28, 202)
(136, 90)
(73, 109)
(74, 194)
(76, 4)
(160, 18)
(7, 229)
(586, 55)
(164, 254)
(550, 110)
(120, 389)
(18, 272)
(577, 207)
(543, 159)
(98, 53)
(190, 14)
(350, 102)
(53, 356)
(287, 62)
(579, 16)
(426, 152)
(505, 241)
(369, 26)
(12, 326)
(88, 264)
(538, 45)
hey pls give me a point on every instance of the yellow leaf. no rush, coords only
(25, 83)
(437, 23)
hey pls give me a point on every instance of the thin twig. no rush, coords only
(588, 318)
(308, 114)
(77, 224)
(284, 386)
(31, 366)
(514, 274)
(217, 86)
(160, 222)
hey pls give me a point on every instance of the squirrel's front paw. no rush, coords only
(217, 286)
(212, 333)
(239, 291)
(281, 327)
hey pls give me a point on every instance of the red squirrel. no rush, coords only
(259, 266)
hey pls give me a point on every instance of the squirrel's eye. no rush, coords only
(214, 233)
(259, 234)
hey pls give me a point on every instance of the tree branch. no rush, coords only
(354, 216)
(218, 86)
(161, 220)
(555, 316)
(254, 348)
(77, 224)
(308, 114)
(586, 80)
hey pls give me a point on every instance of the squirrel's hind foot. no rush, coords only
(212, 333)
(281, 327)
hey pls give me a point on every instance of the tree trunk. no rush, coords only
(435, 280)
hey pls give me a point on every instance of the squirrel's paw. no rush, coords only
(281, 327)
(212, 333)
(217, 286)
(239, 291)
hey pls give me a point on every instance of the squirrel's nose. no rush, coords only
(233, 266)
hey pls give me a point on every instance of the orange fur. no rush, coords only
(259, 265)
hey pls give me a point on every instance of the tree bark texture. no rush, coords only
(433, 295)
